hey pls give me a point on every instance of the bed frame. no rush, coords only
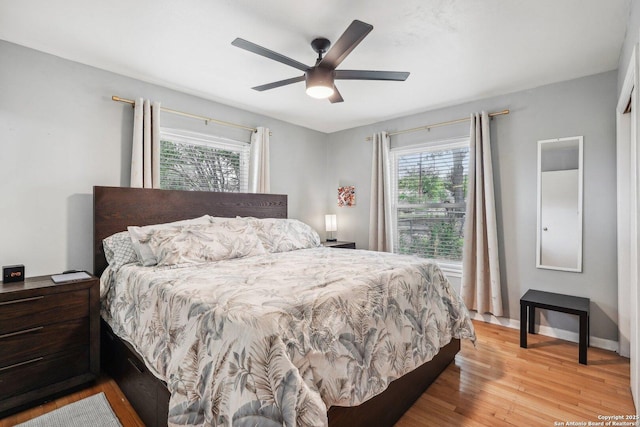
(115, 208)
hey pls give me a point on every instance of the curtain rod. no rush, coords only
(435, 125)
(193, 116)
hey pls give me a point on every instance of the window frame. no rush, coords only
(217, 142)
(449, 267)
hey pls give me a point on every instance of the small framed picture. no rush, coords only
(346, 196)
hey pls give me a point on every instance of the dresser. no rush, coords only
(49, 339)
(339, 244)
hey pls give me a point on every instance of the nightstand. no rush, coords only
(50, 339)
(579, 306)
(340, 244)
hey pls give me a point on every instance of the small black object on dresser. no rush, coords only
(339, 244)
(12, 273)
(50, 339)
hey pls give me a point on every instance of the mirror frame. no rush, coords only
(539, 264)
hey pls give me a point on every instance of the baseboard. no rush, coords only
(547, 331)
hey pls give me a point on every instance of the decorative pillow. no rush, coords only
(197, 243)
(139, 238)
(118, 250)
(283, 235)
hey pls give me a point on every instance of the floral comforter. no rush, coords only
(277, 339)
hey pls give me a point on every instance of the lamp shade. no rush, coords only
(319, 83)
(330, 223)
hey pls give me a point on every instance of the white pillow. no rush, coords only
(139, 237)
(283, 235)
(196, 243)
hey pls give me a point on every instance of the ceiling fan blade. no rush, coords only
(278, 83)
(263, 51)
(352, 36)
(371, 75)
(336, 97)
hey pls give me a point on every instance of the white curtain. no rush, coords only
(259, 178)
(481, 288)
(380, 220)
(145, 152)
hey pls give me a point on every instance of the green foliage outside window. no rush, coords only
(431, 190)
(198, 168)
(442, 241)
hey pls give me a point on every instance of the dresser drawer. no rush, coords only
(25, 313)
(41, 371)
(42, 340)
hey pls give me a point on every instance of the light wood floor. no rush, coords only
(494, 384)
(500, 384)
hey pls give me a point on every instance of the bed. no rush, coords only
(137, 368)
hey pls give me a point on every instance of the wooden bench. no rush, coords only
(579, 306)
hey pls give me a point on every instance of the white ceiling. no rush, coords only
(456, 50)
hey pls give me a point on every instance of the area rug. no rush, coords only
(92, 411)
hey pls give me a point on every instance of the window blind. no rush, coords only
(430, 186)
(197, 162)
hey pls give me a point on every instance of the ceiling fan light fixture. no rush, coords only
(319, 92)
(319, 83)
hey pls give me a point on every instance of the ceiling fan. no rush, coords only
(320, 77)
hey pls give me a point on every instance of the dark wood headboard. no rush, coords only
(115, 208)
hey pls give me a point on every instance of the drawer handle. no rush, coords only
(16, 301)
(15, 365)
(135, 366)
(26, 331)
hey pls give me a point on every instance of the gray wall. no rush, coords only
(583, 106)
(61, 134)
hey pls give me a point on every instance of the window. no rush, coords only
(429, 188)
(194, 161)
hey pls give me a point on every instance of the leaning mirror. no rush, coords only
(559, 231)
